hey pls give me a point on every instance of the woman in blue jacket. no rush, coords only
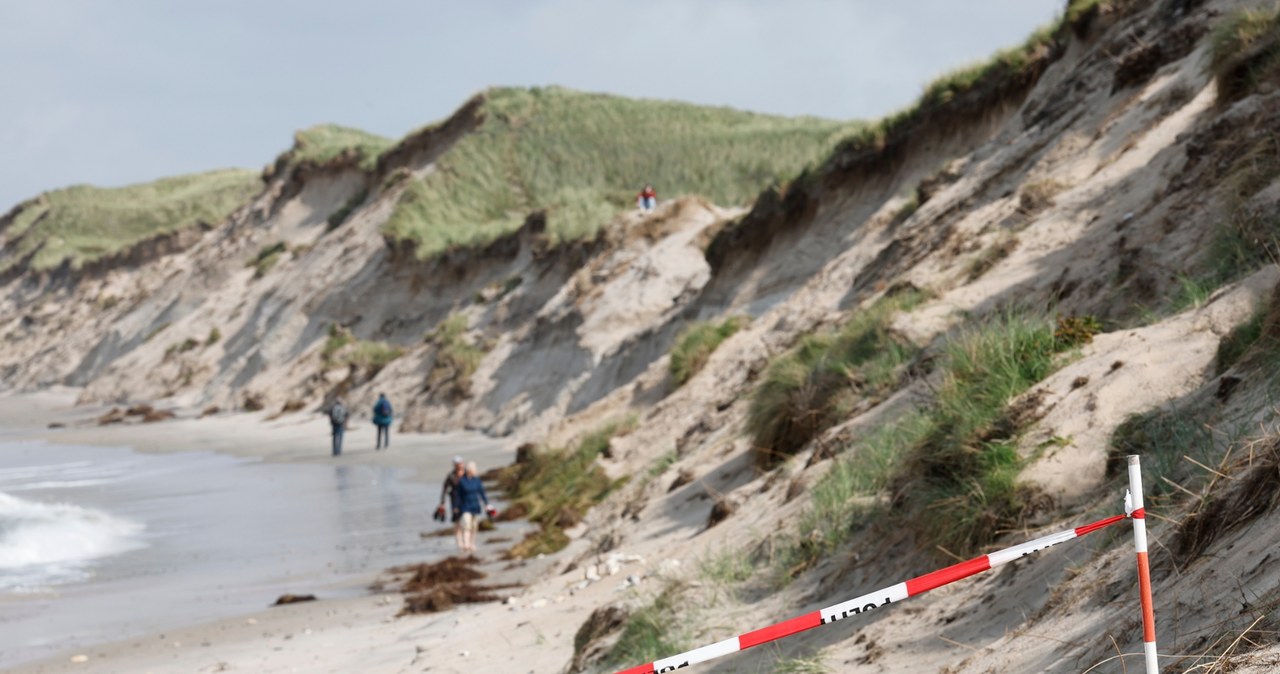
(469, 492)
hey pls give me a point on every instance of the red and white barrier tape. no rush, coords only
(889, 595)
(1133, 503)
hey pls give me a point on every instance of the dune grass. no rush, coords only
(557, 486)
(815, 385)
(652, 631)
(1077, 9)
(1237, 343)
(371, 356)
(83, 223)
(267, 258)
(1163, 437)
(338, 338)
(948, 470)
(810, 665)
(848, 494)
(1005, 63)
(324, 143)
(1247, 237)
(342, 349)
(582, 157)
(1245, 51)
(696, 343)
(457, 357)
(963, 470)
(1004, 66)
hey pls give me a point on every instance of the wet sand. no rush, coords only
(334, 552)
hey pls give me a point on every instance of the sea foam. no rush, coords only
(45, 544)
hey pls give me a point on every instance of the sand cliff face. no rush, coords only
(1095, 185)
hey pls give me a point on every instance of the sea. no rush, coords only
(101, 544)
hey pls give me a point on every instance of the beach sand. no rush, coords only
(347, 634)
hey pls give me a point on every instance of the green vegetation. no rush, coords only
(1163, 437)
(817, 383)
(1238, 342)
(1078, 10)
(1241, 245)
(651, 632)
(695, 345)
(908, 209)
(340, 216)
(963, 470)
(81, 224)
(342, 349)
(1246, 239)
(184, 346)
(1073, 331)
(582, 157)
(338, 338)
(1037, 196)
(728, 566)
(267, 258)
(456, 357)
(952, 467)
(328, 142)
(813, 665)
(496, 291)
(661, 464)
(215, 335)
(992, 254)
(1245, 51)
(371, 356)
(846, 495)
(1004, 66)
(557, 486)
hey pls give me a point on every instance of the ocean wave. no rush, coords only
(58, 484)
(50, 543)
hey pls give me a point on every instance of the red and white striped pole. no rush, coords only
(1139, 516)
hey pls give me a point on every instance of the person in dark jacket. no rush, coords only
(382, 416)
(338, 422)
(450, 490)
(470, 496)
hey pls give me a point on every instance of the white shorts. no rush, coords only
(469, 521)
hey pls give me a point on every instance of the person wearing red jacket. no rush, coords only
(647, 199)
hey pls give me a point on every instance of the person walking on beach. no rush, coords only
(382, 416)
(338, 421)
(470, 494)
(450, 490)
(648, 199)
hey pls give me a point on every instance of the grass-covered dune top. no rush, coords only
(82, 223)
(326, 143)
(1245, 51)
(582, 157)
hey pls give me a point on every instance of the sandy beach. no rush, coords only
(351, 627)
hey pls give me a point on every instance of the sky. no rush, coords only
(113, 93)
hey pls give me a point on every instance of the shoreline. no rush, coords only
(271, 635)
(292, 438)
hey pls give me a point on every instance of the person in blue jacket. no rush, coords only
(382, 416)
(469, 494)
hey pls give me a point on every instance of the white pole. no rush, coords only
(1139, 515)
